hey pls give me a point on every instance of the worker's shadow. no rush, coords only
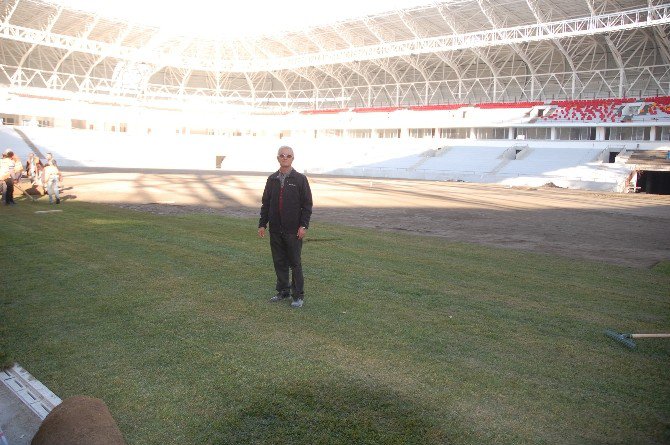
(310, 411)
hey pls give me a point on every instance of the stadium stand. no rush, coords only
(376, 109)
(547, 161)
(356, 156)
(597, 110)
(658, 107)
(509, 105)
(11, 139)
(475, 160)
(468, 142)
(325, 111)
(121, 150)
(436, 107)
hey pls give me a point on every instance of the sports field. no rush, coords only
(418, 327)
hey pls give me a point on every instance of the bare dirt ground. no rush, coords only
(630, 230)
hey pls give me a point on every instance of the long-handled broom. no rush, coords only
(627, 339)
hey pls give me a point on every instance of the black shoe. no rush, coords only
(278, 297)
(57, 200)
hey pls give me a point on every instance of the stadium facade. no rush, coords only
(518, 92)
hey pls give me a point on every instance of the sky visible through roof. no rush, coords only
(252, 18)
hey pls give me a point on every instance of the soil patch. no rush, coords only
(625, 229)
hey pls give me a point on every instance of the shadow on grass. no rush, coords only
(304, 412)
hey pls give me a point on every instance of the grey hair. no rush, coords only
(285, 147)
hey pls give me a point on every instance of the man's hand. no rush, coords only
(302, 232)
(261, 232)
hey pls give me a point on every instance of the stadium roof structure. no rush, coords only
(442, 52)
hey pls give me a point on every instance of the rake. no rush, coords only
(627, 339)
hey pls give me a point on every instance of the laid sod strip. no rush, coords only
(402, 339)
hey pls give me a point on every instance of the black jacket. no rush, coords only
(296, 203)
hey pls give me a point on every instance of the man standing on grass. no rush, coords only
(287, 206)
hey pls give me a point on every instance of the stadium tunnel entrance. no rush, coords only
(654, 182)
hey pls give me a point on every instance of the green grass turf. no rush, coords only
(402, 340)
(662, 267)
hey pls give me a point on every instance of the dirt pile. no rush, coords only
(79, 420)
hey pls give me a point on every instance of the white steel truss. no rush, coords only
(522, 51)
(596, 24)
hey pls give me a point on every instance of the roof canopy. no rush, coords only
(443, 52)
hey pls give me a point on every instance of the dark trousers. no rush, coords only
(9, 191)
(286, 249)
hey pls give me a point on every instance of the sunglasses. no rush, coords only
(283, 156)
